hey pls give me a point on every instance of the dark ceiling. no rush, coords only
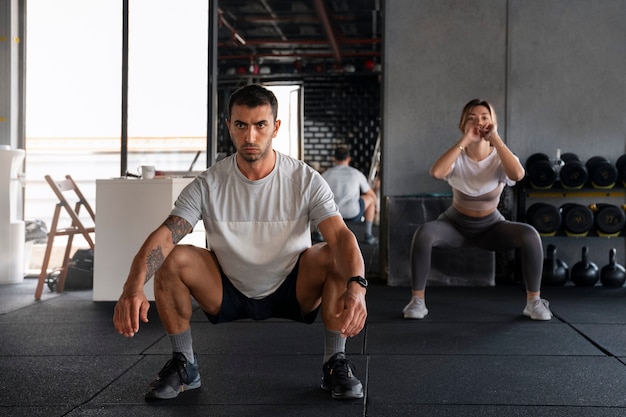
(263, 36)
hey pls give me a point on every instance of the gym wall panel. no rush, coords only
(554, 70)
(439, 54)
(566, 86)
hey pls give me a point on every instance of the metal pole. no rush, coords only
(212, 121)
(124, 132)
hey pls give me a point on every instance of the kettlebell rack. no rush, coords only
(574, 219)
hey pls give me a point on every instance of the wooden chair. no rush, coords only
(61, 189)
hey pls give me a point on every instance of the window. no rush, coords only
(289, 138)
(74, 82)
(167, 86)
(73, 78)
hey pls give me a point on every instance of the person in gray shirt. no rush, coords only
(357, 201)
(257, 207)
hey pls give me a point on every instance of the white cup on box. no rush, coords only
(147, 171)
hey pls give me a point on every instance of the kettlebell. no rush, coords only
(613, 274)
(555, 271)
(585, 273)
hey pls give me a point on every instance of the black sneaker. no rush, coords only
(339, 378)
(176, 376)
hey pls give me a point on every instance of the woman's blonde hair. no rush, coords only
(468, 108)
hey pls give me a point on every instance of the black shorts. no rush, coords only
(280, 304)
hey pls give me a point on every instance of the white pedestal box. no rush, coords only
(127, 211)
(12, 227)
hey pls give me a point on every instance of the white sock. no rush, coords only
(183, 343)
(334, 343)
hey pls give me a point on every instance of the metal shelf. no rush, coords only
(587, 192)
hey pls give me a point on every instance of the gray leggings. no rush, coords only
(493, 232)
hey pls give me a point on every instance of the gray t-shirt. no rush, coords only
(257, 229)
(348, 184)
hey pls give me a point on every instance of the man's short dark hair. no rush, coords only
(253, 95)
(342, 153)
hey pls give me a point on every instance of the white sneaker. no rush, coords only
(538, 309)
(416, 309)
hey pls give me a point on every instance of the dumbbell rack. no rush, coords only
(569, 248)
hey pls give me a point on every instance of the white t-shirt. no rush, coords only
(257, 229)
(478, 184)
(475, 178)
(348, 184)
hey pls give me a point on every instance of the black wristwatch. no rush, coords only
(362, 281)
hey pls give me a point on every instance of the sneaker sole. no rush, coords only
(415, 316)
(527, 314)
(153, 395)
(348, 395)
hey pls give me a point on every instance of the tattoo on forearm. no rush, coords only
(178, 226)
(154, 262)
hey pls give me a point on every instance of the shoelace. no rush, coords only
(540, 306)
(171, 366)
(415, 303)
(343, 368)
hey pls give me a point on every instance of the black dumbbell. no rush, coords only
(540, 172)
(573, 173)
(544, 217)
(602, 174)
(621, 169)
(608, 218)
(577, 219)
